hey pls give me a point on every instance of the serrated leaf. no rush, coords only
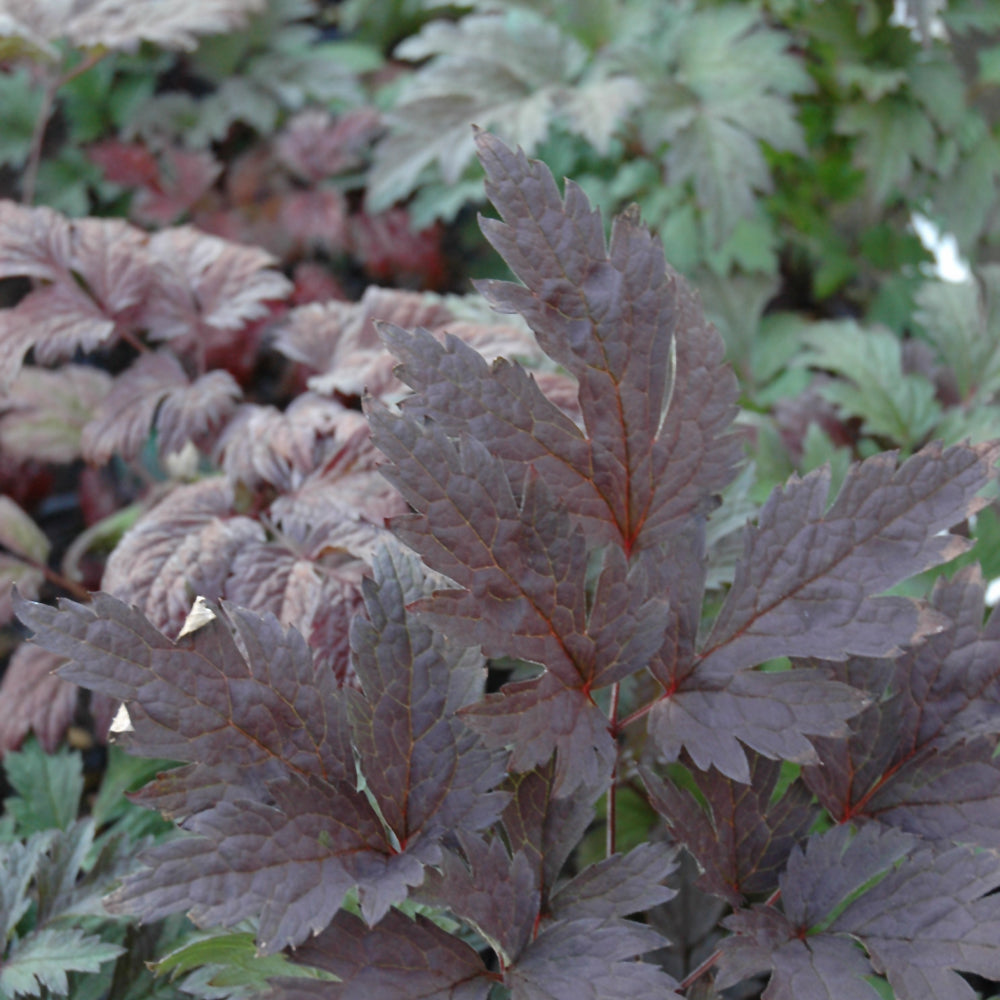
(399, 959)
(44, 412)
(922, 757)
(728, 88)
(960, 320)
(108, 24)
(613, 316)
(155, 393)
(34, 698)
(893, 403)
(183, 547)
(496, 893)
(809, 575)
(49, 787)
(204, 281)
(40, 961)
(741, 840)
(503, 71)
(542, 826)
(179, 692)
(918, 913)
(97, 273)
(19, 861)
(893, 137)
(618, 886)
(590, 959)
(424, 768)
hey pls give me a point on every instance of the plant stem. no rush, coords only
(54, 576)
(612, 818)
(694, 976)
(37, 138)
(52, 86)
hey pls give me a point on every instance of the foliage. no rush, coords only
(58, 940)
(826, 751)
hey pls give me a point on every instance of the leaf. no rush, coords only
(590, 959)
(727, 89)
(807, 580)
(922, 756)
(22, 102)
(503, 72)
(44, 412)
(892, 403)
(235, 961)
(97, 273)
(400, 959)
(183, 547)
(18, 862)
(893, 136)
(263, 445)
(155, 393)
(19, 534)
(619, 885)
(917, 912)
(738, 836)
(339, 339)
(585, 303)
(39, 962)
(542, 827)
(204, 281)
(496, 893)
(309, 575)
(316, 145)
(107, 24)
(807, 572)
(34, 698)
(49, 787)
(427, 772)
(291, 834)
(960, 320)
(541, 717)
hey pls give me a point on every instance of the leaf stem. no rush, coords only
(612, 818)
(693, 977)
(52, 87)
(54, 576)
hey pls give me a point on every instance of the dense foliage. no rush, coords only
(489, 673)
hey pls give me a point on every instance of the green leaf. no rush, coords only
(40, 961)
(21, 99)
(963, 322)
(508, 72)
(892, 137)
(18, 862)
(124, 773)
(235, 961)
(719, 83)
(49, 787)
(892, 404)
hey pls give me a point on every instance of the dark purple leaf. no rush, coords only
(919, 913)
(922, 757)
(399, 959)
(427, 771)
(739, 837)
